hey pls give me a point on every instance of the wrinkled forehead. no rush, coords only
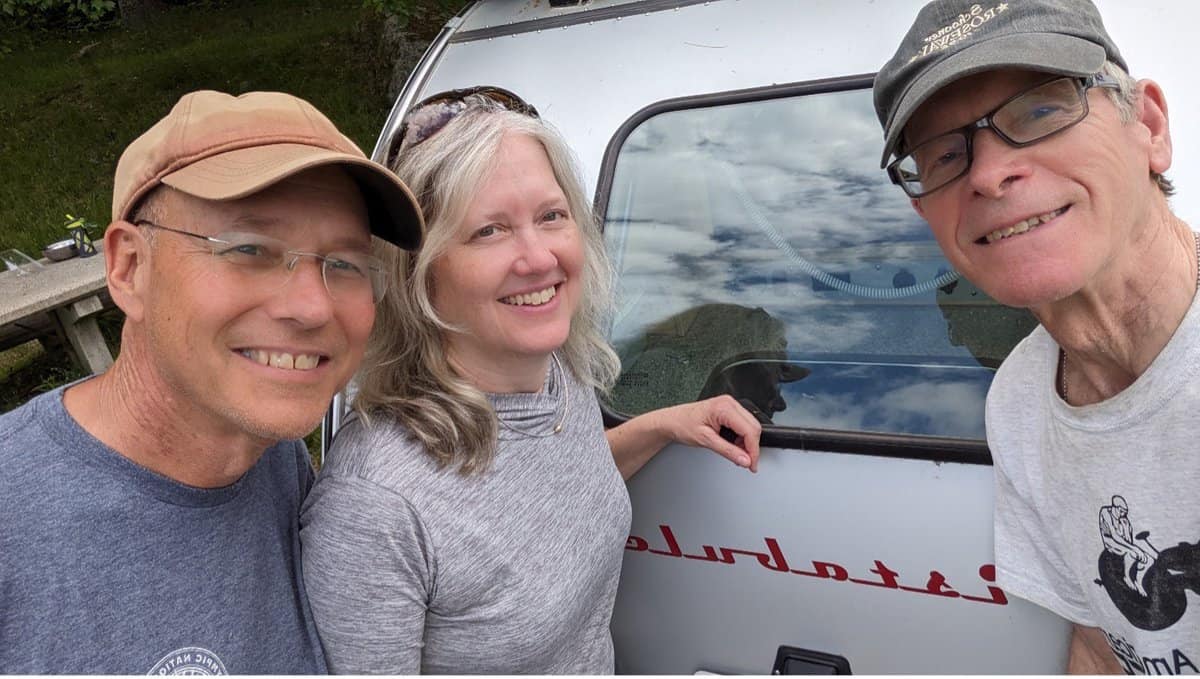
(324, 202)
(966, 100)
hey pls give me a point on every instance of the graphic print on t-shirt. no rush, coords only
(1149, 587)
(192, 661)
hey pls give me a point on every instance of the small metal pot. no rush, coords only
(63, 249)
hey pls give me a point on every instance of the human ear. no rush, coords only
(126, 263)
(1152, 114)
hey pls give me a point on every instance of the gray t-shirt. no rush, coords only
(109, 568)
(414, 568)
(1077, 487)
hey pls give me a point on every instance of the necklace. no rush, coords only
(566, 404)
(1062, 354)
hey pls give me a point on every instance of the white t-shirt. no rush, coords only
(1097, 510)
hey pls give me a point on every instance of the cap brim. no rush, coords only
(393, 211)
(1048, 52)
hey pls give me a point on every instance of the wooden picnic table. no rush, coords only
(70, 294)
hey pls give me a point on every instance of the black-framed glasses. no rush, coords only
(1024, 119)
(348, 274)
(428, 116)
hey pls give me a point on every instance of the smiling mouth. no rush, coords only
(531, 298)
(282, 359)
(1023, 226)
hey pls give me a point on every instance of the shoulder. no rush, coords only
(17, 422)
(369, 487)
(1031, 362)
(30, 432)
(288, 466)
(382, 452)
(1018, 403)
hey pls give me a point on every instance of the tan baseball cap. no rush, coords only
(216, 146)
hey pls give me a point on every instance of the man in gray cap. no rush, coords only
(149, 515)
(1038, 162)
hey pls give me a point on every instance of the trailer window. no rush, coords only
(760, 251)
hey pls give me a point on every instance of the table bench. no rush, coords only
(63, 296)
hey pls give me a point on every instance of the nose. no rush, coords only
(995, 165)
(303, 297)
(535, 255)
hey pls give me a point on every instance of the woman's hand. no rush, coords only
(700, 424)
(691, 424)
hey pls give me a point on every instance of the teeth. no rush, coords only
(1023, 226)
(531, 298)
(282, 360)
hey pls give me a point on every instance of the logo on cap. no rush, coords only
(960, 29)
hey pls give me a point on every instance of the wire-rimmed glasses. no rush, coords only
(348, 274)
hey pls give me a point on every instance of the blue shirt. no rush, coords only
(109, 568)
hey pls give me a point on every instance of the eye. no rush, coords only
(486, 232)
(555, 215)
(1044, 110)
(947, 158)
(940, 153)
(247, 250)
(344, 265)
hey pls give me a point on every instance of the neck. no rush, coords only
(1112, 329)
(132, 410)
(508, 375)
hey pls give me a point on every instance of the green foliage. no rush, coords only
(58, 12)
(70, 103)
(416, 15)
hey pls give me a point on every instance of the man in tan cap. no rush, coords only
(148, 516)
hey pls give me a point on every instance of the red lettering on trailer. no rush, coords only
(773, 559)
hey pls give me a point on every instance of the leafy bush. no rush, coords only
(57, 12)
(409, 12)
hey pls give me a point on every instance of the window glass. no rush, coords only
(761, 252)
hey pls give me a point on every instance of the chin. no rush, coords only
(1030, 297)
(545, 343)
(285, 424)
(1026, 287)
(545, 348)
(290, 431)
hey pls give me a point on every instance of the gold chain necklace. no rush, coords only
(566, 404)
(1062, 354)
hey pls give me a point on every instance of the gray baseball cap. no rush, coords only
(952, 39)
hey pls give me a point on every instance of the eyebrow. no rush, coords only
(277, 228)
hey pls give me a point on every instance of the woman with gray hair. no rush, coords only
(471, 517)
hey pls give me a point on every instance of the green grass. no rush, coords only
(67, 116)
(71, 100)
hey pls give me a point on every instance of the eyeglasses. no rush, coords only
(348, 274)
(1022, 120)
(428, 116)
